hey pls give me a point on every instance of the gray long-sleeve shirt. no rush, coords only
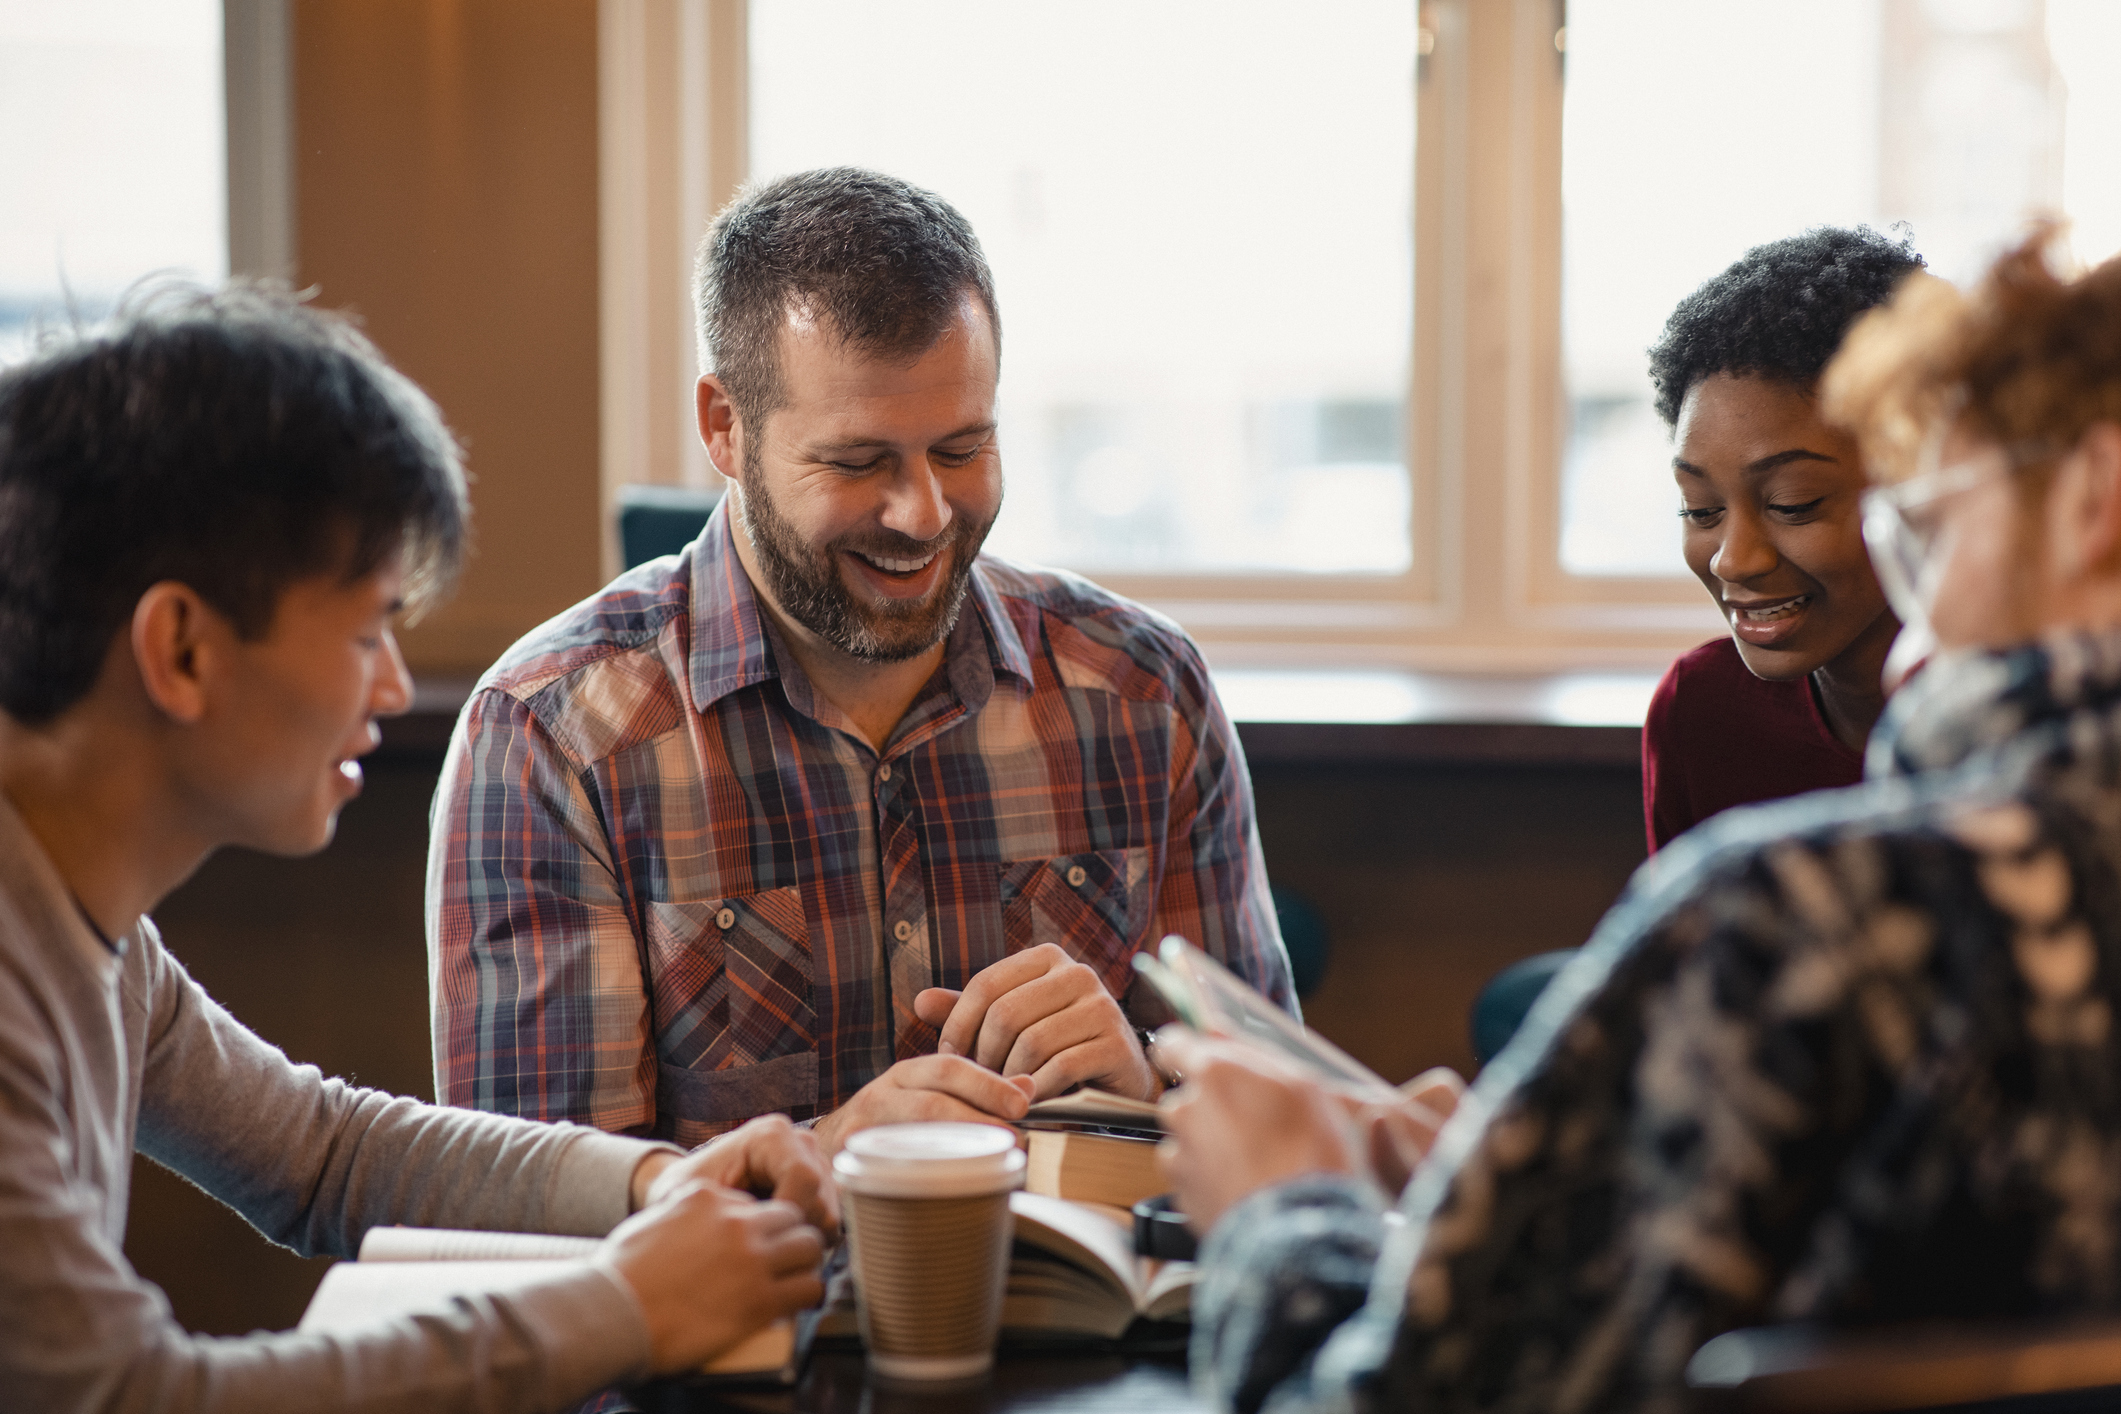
(98, 1045)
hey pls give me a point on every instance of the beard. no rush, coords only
(806, 583)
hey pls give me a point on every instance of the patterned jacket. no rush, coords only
(1849, 1057)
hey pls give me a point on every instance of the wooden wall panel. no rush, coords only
(446, 192)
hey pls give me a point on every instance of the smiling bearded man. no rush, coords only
(808, 588)
(832, 815)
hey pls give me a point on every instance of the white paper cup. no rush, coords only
(927, 1211)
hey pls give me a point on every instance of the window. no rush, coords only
(1692, 132)
(1325, 324)
(111, 154)
(1200, 228)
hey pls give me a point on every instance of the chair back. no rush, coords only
(661, 520)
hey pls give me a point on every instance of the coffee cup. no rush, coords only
(927, 1214)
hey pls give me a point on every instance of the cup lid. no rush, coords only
(930, 1159)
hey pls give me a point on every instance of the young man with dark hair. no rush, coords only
(832, 815)
(209, 515)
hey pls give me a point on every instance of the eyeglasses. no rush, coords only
(1900, 527)
(1901, 523)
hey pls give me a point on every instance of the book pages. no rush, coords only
(445, 1244)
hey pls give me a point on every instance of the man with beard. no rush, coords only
(830, 815)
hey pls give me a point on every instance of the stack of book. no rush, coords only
(1092, 1147)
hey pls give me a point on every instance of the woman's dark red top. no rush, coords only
(1717, 736)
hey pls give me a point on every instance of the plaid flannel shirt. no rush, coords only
(669, 887)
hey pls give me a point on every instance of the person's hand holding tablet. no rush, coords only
(1245, 1119)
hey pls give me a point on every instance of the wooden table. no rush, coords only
(835, 1382)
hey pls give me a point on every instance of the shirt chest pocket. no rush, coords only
(1095, 906)
(735, 1031)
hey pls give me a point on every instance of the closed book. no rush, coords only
(1092, 1168)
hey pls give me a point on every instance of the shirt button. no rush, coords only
(903, 931)
(726, 919)
(883, 772)
(1076, 877)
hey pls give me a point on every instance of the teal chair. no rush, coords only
(661, 520)
(1303, 933)
(1502, 1004)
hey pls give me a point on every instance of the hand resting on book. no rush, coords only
(1245, 1120)
(697, 1213)
(928, 1088)
(1032, 1026)
(764, 1259)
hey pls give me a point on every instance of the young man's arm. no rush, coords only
(534, 964)
(315, 1163)
(80, 1331)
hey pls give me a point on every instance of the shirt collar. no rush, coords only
(2062, 688)
(733, 646)
(1006, 645)
(730, 649)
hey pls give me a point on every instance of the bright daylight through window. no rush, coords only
(111, 154)
(1199, 223)
(1693, 131)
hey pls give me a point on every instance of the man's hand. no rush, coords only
(768, 1157)
(710, 1266)
(1041, 1013)
(928, 1087)
(1242, 1122)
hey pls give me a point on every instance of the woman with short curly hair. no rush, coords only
(1769, 494)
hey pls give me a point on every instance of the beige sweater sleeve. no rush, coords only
(313, 1162)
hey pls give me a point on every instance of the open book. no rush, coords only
(1074, 1273)
(403, 1271)
(1073, 1277)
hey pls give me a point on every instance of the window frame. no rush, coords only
(1487, 416)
